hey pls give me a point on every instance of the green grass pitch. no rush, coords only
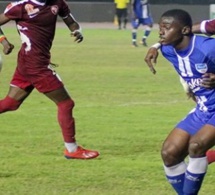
(122, 109)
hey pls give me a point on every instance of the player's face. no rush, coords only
(170, 31)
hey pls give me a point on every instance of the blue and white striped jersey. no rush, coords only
(141, 8)
(191, 63)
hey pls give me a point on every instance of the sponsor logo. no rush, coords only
(31, 11)
(174, 181)
(190, 177)
(202, 67)
(195, 83)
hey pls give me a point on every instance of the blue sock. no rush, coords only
(175, 175)
(147, 32)
(177, 183)
(134, 36)
(194, 175)
(192, 183)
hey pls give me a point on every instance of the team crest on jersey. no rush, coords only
(31, 11)
(54, 9)
(201, 67)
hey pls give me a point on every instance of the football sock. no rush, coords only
(134, 35)
(71, 147)
(194, 175)
(146, 34)
(210, 156)
(66, 120)
(175, 176)
(9, 104)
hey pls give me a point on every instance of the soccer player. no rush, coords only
(122, 12)
(36, 23)
(141, 15)
(192, 56)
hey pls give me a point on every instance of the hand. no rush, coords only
(190, 95)
(151, 58)
(8, 47)
(78, 36)
(208, 80)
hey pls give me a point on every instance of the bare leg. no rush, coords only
(14, 99)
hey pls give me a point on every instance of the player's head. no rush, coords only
(174, 26)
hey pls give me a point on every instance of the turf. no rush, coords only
(121, 109)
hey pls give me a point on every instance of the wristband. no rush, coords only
(156, 45)
(2, 37)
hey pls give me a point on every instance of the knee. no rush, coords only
(9, 104)
(196, 149)
(66, 104)
(168, 154)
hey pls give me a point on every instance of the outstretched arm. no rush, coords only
(205, 27)
(7, 46)
(74, 27)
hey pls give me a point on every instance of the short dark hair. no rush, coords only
(178, 14)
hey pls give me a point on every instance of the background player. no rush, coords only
(122, 12)
(192, 56)
(141, 15)
(36, 23)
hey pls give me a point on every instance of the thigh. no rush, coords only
(58, 95)
(176, 145)
(147, 21)
(45, 79)
(124, 13)
(135, 23)
(204, 138)
(20, 87)
(18, 93)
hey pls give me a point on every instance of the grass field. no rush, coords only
(121, 109)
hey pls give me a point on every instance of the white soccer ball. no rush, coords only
(1, 62)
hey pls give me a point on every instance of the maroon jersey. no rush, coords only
(36, 23)
(208, 27)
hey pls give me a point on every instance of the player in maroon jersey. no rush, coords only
(36, 23)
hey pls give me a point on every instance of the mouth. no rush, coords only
(162, 39)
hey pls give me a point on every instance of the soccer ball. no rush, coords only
(0, 62)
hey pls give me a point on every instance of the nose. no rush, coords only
(161, 31)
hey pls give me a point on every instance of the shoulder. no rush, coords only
(167, 49)
(204, 41)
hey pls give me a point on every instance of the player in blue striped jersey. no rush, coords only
(141, 15)
(193, 58)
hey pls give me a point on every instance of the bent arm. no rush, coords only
(7, 46)
(72, 24)
(74, 27)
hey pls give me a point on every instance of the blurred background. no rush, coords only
(104, 10)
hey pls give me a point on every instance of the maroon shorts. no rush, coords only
(44, 79)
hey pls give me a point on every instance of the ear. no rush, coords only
(186, 30)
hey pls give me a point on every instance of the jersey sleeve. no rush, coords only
(14, 10)
(64, 10)
(208, 47)
(208, 26)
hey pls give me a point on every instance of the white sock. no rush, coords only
(71, 147)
